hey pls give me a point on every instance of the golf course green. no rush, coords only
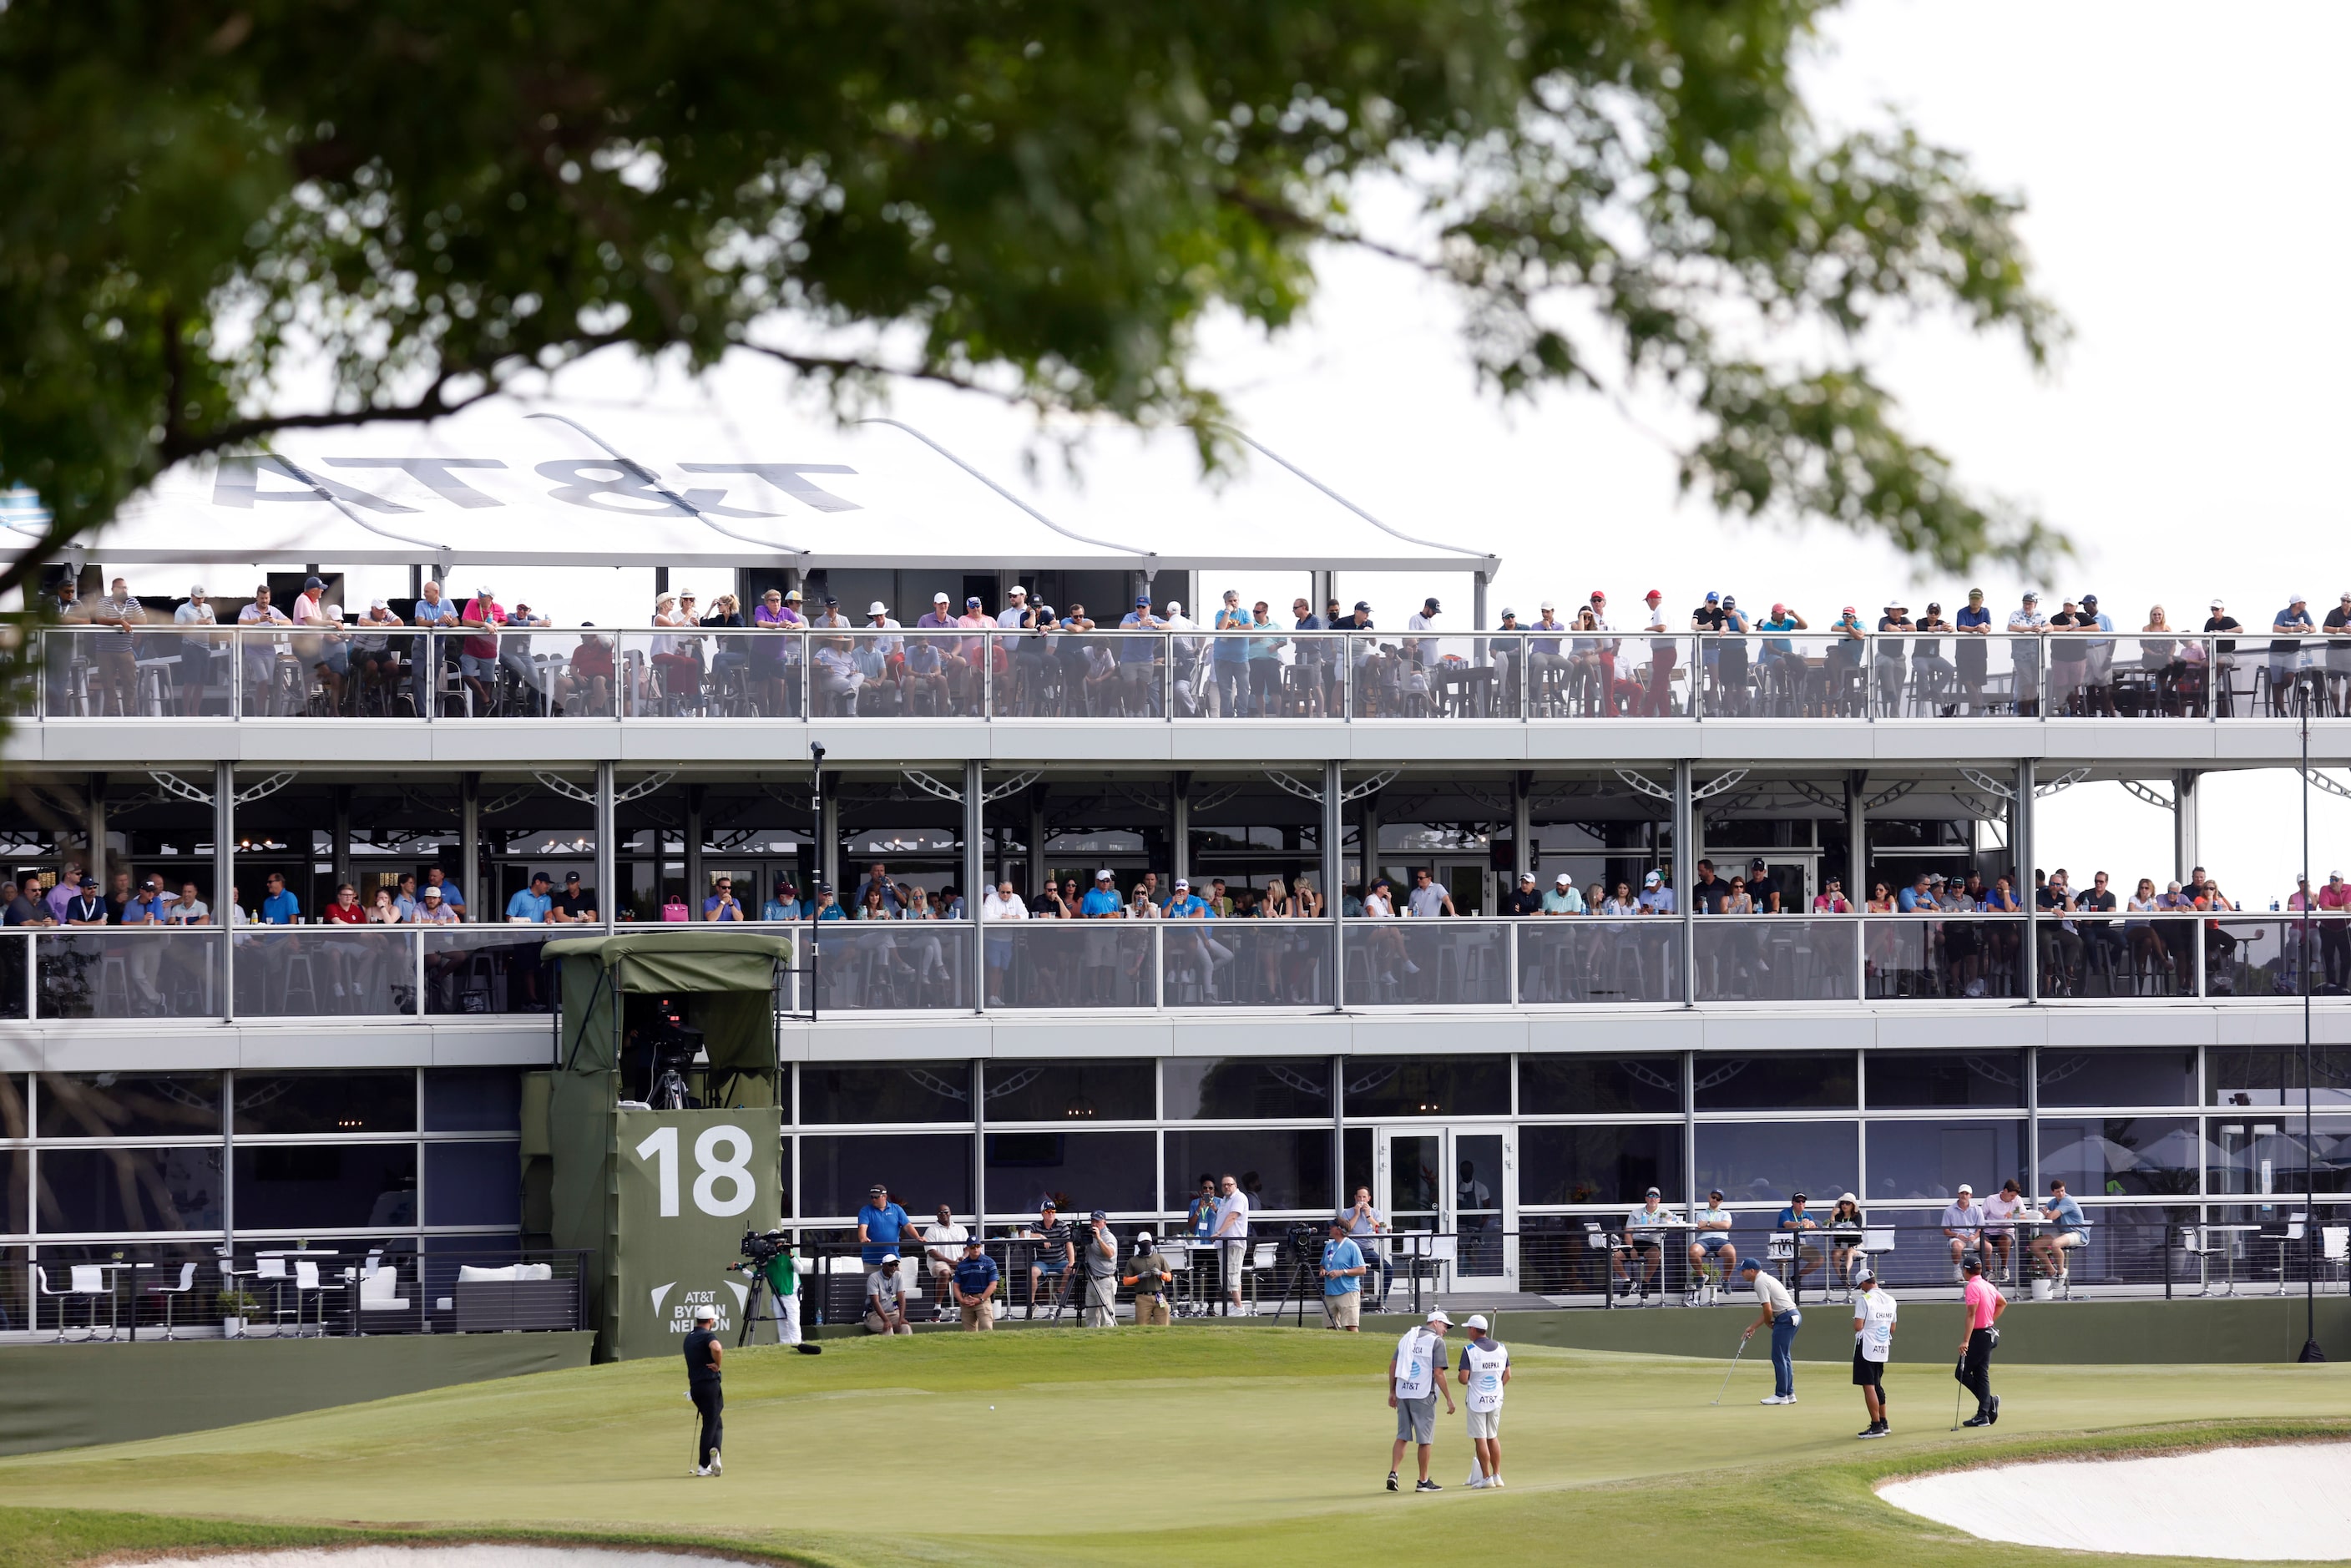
(1223, 1445)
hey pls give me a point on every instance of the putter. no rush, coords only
(1958, 1367)
(1727, 1371)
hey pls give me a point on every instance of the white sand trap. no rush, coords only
(2290, 1500)
(475, 1555)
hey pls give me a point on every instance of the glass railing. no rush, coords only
(162, 671)
(499, 972)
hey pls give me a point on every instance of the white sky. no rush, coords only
(2183, 213)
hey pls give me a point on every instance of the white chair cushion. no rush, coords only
(89, 1279)
(467, 1273)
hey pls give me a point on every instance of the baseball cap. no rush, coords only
(974, 1240)
(1715, 1192)
(1563, 879)
(1653, 1192)
(314, 582)
(1142, 1237)
(1476, 1321)
(89, 882)
(1798, 1197)
(1971, 1266)
(1183, 883)
(1779, 609)
(1848, 609)
(889, 1257)
(1016, 591)
(1437, 1316)
(1749, 1265)
(1098, 1214)
(972, 603)
(1712, 597)
(795, 593)
(2218, 605)
(2297, 598)
(1104, 875)
(1864, 1277)
(1509, 615)
(1653, 593)
(706, 1313)
(938, 597)
(1337, 1222)
(1969, 1190)
(1143, 599)
(1526, 876)
(1547, 604)
(485, 593)
(1174, 607)
(876, 1190)
(1652, 879)
(378, 604)
(570, 876)
(1048, 1208)
(539, 876)
(1430, 603)
(197, 592)
(1598, 597)
(432, 892)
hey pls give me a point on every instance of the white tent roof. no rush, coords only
(626, 469)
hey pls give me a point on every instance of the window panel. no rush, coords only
(1589, 1164)
(1070, 1091)
(473, 1099)
(922, 1171)
(1206, 1088)
(1279, 1169)
(1779, 1081)
(1930, 1159)
(1931, 1080)
(325, 1102)
(127, 1189)
(1079, 1172)
(128, 1104)
(2122, 1156)
(1766, 1161)
(1381, 1087)
(326, 1186)
(2117, 1077)
(473, 1184)
(1598, 1085)
(16, 1187)
(904, 1091)
(2272, 1075)
(2261, 1153)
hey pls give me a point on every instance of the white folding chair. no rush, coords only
(81, 1280)
(308, 1282)
(171, 1293)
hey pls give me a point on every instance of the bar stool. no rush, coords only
(171, 1293)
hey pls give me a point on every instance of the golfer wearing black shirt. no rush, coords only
(703, 1353)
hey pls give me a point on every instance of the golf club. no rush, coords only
(1958, 1374)
(1728, 1370)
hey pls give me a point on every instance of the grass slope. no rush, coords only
(1239, 1445)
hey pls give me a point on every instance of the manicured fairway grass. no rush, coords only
(1239, 1445)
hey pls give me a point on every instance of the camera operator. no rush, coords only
(1102, 1273)
(770, 1256)
(703, 1355)
(1152, 1281)
(974, 1282)
(1343, 1273)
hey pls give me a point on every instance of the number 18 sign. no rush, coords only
(689, 1183)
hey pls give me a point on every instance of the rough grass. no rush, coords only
(1224, 1445)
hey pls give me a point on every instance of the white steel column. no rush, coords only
(608, 848)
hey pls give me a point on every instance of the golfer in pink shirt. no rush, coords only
(1982, 1306)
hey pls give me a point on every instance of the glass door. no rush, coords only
(1460, 1186)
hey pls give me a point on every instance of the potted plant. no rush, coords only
(236, 1309)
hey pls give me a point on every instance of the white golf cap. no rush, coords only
(1963, 1187)
(706, 1313)
(1016, 591)
(1181, 883)
(938, 597)
(1437, 1316)
(889, 1257)
(1141, 1237)
(197, 592)
(378, 604)
(1652, 879)
(877, 608)
(1174, 607)
(1476, 1321)
(1563, 879)
(1103, 875)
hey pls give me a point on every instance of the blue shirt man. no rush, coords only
(974, 1271)
(281, 907)
(2064, 1211)
(1341, 1252)
(532, 903)
(879, 1225)
(1183, 905)
(1101, 901)
(1143, 650)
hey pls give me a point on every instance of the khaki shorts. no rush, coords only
(1486, 1423)
(981, 1318)
(1343, 1310)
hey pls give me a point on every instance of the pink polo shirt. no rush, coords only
(1980, 1302)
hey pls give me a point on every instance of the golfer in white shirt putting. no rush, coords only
(1780, 1315)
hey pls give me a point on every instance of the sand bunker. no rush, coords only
(475, 1555)
(2290, 1501)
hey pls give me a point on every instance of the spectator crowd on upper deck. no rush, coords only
(118, 654)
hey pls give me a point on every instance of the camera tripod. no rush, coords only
(761, 1293)
(1304, 1278)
